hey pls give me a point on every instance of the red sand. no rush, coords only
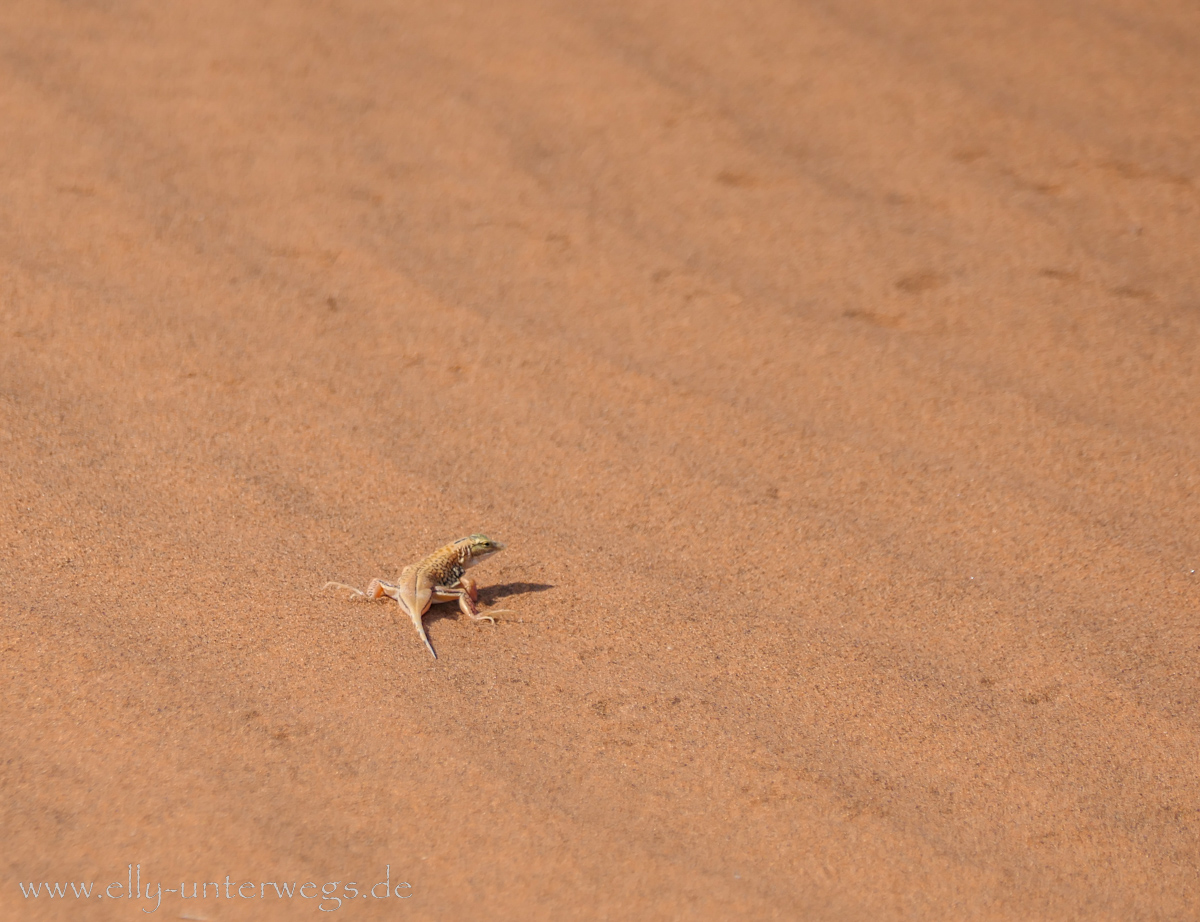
(830, 369)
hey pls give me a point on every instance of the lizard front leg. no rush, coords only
(466, 592)
(463, 597)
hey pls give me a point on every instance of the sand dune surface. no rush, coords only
(829, 369)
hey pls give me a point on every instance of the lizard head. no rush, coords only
(479, 547)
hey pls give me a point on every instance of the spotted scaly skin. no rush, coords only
(440, 577)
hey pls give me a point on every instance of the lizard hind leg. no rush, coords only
(377, 589)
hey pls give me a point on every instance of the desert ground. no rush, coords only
(831, 371)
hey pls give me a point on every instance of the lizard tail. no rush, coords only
(425, 637)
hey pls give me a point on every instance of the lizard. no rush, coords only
(440, 577)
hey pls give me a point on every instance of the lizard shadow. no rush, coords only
(488, 596)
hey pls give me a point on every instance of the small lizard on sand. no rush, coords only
(440, 577)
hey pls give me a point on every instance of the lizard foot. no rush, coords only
(497, 611)
(357, 593)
